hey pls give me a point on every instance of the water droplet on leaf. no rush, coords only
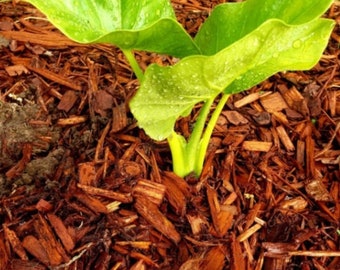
(297, 44)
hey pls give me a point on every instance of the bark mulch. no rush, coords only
(81, 187)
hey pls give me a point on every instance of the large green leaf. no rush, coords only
(148, 25)
(230, 22)
(167, 93)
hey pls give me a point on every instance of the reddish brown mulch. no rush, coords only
(81, 187)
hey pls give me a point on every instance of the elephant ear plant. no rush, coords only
(238, 46)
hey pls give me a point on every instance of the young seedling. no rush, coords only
(239, 45)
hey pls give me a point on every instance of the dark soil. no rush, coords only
(81, 187)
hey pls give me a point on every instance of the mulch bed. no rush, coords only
(81, 187)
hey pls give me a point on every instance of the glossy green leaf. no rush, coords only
(230, 22)
(167, 93)
(148, 25)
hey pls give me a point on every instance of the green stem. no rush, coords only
(207, 134)
(134, 64)
(178, 145)
(184, 154)
(189, 157)
(196, 135)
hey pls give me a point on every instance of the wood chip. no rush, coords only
(198, 223)
(297, 204)
(4, 258)
(235, 118)
(294, 99)
(281, 117)
(55, 253)
(92, 203)
(310, 156)
(257, 146)
(25, 265)
(300, 152)
(245, 235)
(317, 190)
(284, 138)
(71, 121)
(222, 218)
(55, 77)
(44, 206)
(175, 196)
(154, 192)
(135, 244)
(144, 258)
(34, 247)
(67, 101)
(119, 118)
(121, 197)
(273, 102)
(214, 259)
(140, 265)
(103, 102)
(238, 262)
(234, 139)
(87, 174)
(16, 245)
(19, 167)
(250, 98)
(16, 70)
(150, 212)
(314, 253)
(50, 39)
(61, 231)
